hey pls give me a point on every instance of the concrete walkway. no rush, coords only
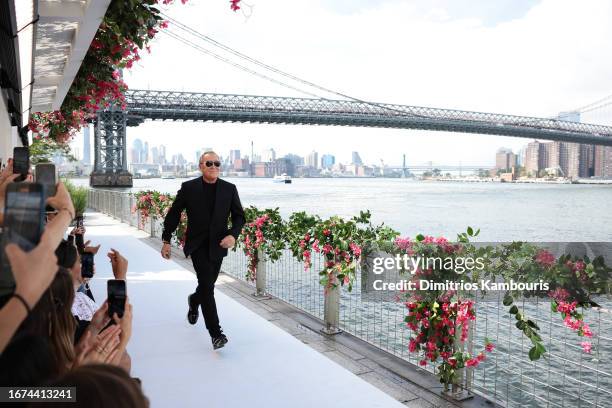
(261, 366)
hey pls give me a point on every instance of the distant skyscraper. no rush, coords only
(162, 154)
(234, 155)
(356, 159)
(327, 161)
(146, 154)
(313, 159)
(86, 145)
(138, 149)
(295, 159)
(268, 155)
(155, 155)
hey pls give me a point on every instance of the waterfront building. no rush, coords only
(327, 161)
(532, 158)
(313, 160)
(602, 163)
(505, 159)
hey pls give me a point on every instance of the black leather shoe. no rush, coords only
(192, 313)
(219, 341)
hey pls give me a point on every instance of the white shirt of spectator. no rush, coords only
(83, 307)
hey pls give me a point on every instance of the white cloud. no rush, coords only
(554, 57)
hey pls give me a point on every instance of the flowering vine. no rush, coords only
(262, 233)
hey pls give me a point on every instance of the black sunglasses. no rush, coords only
(209, 163)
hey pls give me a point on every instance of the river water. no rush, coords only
(503, 211)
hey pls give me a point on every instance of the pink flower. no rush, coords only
(412, 346)
(423, 363)
(586, 330)
(545, 258)
(472, 362)
(489, 347)
(586, 346)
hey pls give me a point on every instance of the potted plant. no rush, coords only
(79, 200)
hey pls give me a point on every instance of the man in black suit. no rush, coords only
(209, 201)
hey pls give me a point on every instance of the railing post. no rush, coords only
(331, 311)
(152, 231)
(121, 206)
(459, 391)
(260, 276)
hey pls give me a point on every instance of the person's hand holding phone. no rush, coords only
(125, 323)
(61, 200)
(6, 177)
(118, 263)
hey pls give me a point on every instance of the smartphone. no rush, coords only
(87, 265)
(79, 221)
(45, 174)
(23, 225)
(116, 297)
(21, 162)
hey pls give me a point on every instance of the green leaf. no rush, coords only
(513, 310)
(470, 231)
(531, 323)
(534, 353)
(420, 237)
(508, 300)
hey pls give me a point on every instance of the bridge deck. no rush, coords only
(262, 365)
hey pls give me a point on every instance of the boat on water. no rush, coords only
(168, 175)
(283, 178)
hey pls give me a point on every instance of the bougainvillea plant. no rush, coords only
(263, 233)
(151, 203)
(339, 241)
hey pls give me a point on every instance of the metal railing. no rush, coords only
(564, 377)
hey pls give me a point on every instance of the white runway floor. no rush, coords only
(261, 366)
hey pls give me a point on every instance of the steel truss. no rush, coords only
(193, 106)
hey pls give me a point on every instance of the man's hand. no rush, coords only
(119, 264)
(166, 251)
(228, 242)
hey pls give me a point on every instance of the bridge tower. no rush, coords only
(110, 164)
(404, 168)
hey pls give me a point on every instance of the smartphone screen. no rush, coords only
(116, 297)
(87, 265)
(44, 174)
(23, 225)
(21, 161)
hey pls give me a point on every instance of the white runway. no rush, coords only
(261, 366)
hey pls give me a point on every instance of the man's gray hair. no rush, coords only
(208, 152)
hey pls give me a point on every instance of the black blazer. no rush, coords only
(191, 197)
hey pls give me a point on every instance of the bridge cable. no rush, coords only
(280, 72)
(295, 78)
(239, 66)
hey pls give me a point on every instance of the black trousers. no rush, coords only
(207, 271)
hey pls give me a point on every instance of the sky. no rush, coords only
(522, 57)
